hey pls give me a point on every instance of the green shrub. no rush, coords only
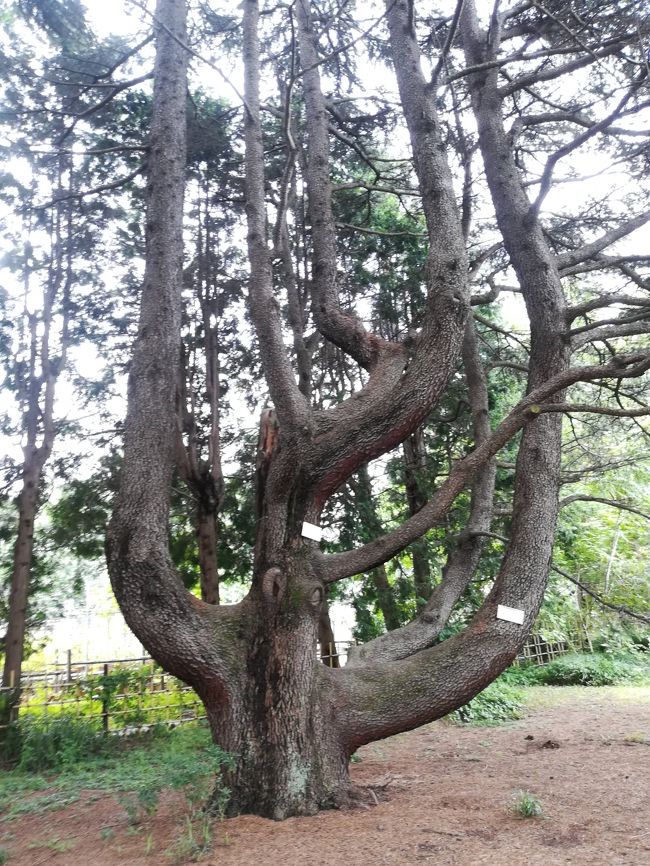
(499, 702)
(526, 805)
(58, 742)
(523, 674)
(597, 669)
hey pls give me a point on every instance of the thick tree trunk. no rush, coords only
(280, 723)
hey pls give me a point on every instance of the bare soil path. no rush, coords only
(444, 797)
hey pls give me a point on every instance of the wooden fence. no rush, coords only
(537, 650)
(116, 696)
(121, 696)
(540, 651)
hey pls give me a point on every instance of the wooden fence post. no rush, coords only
(105, 702)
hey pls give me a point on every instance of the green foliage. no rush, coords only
(597, 669)
(526, 805)
(58, 742)
(603, 546)
(524, 674)
(499, 702)
(622, 637)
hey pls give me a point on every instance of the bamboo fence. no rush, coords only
(126, 695)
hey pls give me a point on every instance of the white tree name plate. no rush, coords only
(310, 530)
(510, 614)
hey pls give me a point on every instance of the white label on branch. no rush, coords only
(510, 614)
(309, 530)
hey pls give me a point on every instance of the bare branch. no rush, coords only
(448, 43)
(608, 48)
(615, 503)
(595, 410)
(567, 260)
(605, 301)
(619, 608)
(547, 175)
(105, 187)
(610, 333)
(380, 232)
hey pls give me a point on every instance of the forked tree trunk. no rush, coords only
(291, 722)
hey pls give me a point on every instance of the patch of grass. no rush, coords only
(526, 805)
(637, 737)
(194, 841)
(183, 760)
(4, 856)
(133, 766)
(58, 742)
(42, 803)
(58, 846)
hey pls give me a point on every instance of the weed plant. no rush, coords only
(124, 766)
(526, 805)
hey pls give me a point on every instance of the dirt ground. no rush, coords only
(445, 797)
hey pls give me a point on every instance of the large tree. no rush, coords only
(509, 89)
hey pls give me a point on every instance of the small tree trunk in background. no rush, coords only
(20, 579)
(385, 595)
(385, 598)
(415, 465)
(326, 638)
(37, 402)
(207, 543)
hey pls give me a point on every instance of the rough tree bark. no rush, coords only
(292, 723)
